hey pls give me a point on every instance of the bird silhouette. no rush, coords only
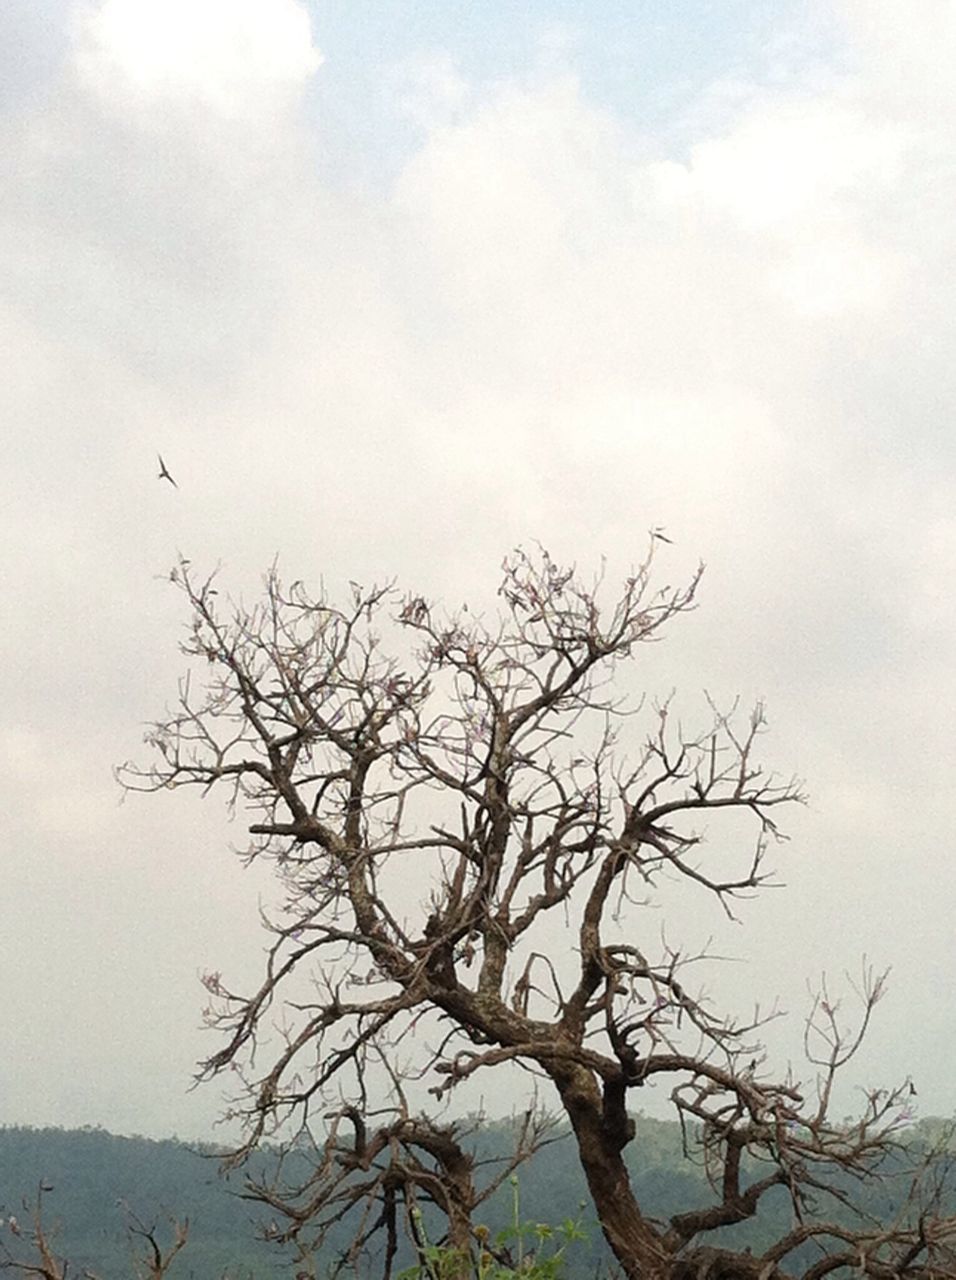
(163, 473)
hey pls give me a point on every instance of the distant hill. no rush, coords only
(93, 1172)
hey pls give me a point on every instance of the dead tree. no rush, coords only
(27, 1246)
(468, 821)
(380, 1172)
(150, 1259)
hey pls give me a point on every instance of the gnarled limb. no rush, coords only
(441, 798)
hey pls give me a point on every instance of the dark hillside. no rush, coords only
(94, 1173)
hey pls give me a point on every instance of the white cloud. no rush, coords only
(786, 161)
(907, 51)
(799, 178)
(836, 274)
(514, 191)
(232, 56)
(431, 90)
(537, 333)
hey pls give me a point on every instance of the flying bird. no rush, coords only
(163, 473)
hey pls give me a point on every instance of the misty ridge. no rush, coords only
(94, 1176)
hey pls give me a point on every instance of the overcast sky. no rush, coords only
(395, 287)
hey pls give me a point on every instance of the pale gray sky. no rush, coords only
(396, 287)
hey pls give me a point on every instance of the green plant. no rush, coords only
(531, 1250)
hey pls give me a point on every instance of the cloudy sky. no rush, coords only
(396, 287)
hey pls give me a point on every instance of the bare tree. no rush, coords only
(466, 829)
(152, 1260)
(379, 1175)
(27, 1245)
(31, 1250)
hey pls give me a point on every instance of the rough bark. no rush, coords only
(635, 1243)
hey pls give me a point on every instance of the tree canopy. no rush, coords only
(468, 821)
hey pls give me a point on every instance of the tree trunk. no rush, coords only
(634, 1242)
